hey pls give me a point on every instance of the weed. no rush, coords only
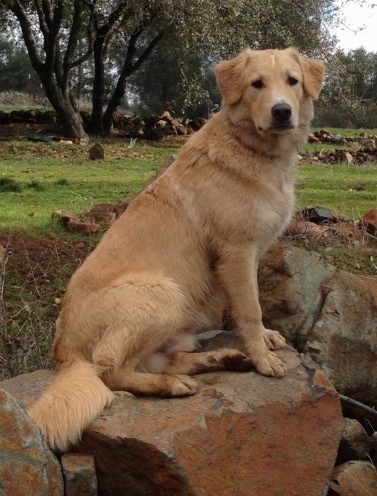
(8, 185)
(33, 276)
(132, 143)
(61, 182)
(35, 185)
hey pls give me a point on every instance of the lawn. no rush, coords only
(37, 179)
(349, 189)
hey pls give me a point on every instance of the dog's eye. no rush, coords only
(258, 84)
(292, 81)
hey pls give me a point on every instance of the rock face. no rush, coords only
(79, 475)
(241, 434)
(27, 466)
(327, 314)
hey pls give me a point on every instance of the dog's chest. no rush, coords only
(258, 208)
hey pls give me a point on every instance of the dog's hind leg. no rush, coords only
(150, 384)
(141, 315)
(182, 362)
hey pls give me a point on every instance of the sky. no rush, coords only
(350, 34)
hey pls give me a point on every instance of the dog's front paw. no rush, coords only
(273, 339)
(182, 385)
(270, 365)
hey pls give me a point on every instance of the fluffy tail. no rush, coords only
(73, 399)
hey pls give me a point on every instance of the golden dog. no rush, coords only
(191, 239)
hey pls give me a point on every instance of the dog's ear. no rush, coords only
(229, 78)
(313, 71)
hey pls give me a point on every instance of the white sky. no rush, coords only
(350, 34)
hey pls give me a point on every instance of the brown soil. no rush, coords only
(38, 249)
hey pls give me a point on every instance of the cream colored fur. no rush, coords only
(189, 243)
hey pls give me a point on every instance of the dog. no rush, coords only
(187, 245)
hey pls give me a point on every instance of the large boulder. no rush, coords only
(27, 466)
(328, 315)
(242, 434)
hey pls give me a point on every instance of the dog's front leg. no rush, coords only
(237, 271)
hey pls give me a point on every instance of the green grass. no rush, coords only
(26, 101)
(37, 179)
(349, 189)
(347, 132)
(40, 178)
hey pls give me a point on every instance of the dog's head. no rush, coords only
(273, 89)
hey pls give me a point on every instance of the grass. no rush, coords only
(348, 189)
(37, 179)
(26, 101)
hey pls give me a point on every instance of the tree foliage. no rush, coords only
(115, 37)
(349, 97)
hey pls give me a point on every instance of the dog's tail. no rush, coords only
(75, 397)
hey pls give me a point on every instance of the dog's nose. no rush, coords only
(281, 112)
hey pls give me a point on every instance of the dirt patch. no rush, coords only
(41, 255)
(34, 273)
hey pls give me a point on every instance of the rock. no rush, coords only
(355, 444)
(100, 216)
(97, 152)
(101, 213)
(348, 158)
(27, 464)
(329, 315)
(83, 227)
(369, 220)
(105, 213)
(291, 284)
(354, 478)
(79, 475)
(224, 440)
(313, 139)
(242, 434)
(64, 217)
(350, 230)
(318, 215)
(346, 331)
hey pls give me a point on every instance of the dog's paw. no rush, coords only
(270, 365)
(182, 385)
(236, 362)
(273, 339)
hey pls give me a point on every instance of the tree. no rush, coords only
(178, 86)
(58, 26)
(350, 94)
(61, 34)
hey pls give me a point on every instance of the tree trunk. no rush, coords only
(96, 124)
(54, 69)
(114, 103)
(129, 67)
(68, 113)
